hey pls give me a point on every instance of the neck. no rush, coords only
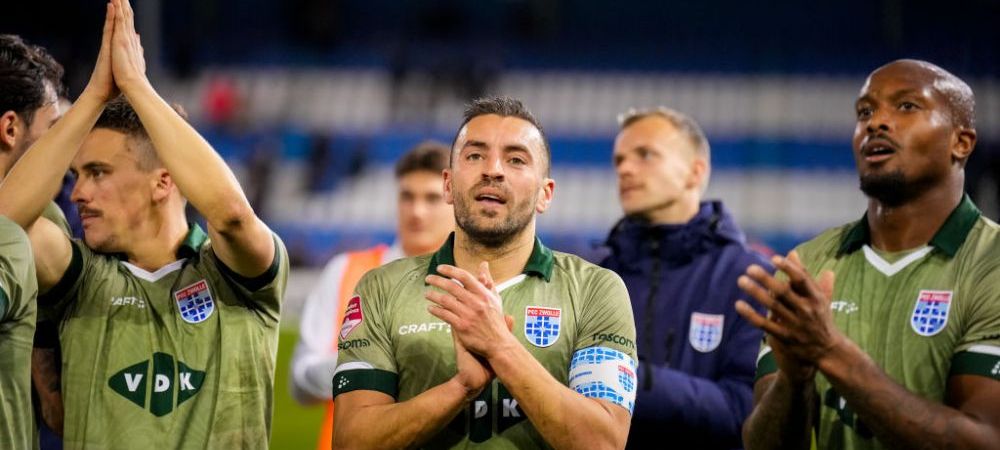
(156, 241)
(678, 211)
(914, 223)
(506, 261)
(5, 164)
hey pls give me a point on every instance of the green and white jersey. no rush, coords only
(178, 358)
(922, 315)
(18, 288)
(573, 317)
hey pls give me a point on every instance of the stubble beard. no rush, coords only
(497, 235)
(893, 189)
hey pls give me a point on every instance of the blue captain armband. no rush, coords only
(605, 374)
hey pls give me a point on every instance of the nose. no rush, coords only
(493, 169)
(80, 192)
(624, 168)
(880, 121)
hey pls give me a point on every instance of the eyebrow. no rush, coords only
(507, 148)
(91, 166)
(893, 96)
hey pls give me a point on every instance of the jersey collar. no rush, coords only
(190, 246)
(540, 263)
(948, 238)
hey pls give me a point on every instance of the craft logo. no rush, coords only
(168, 378)
(352, 316)
(195, 302)
(706, 331)
(541, 325)
(930, 314)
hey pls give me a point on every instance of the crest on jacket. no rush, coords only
(705, 334)
(930, 314)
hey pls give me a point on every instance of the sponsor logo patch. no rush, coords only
(195, 302)
(541, 325)
(930, 314)
(352, 316)
(706, 331)
(137, 383)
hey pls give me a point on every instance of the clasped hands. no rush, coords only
(480, 330)
(799, 323)
(121, 65)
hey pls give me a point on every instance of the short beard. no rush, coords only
(491, 237)
(892, 189)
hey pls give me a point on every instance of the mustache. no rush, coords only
(490, 183)
(85, 211)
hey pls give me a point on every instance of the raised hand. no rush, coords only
(127, 59)
(102, 82)
(799, 324)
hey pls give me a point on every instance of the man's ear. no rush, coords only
(11, 129)
(699, 172)
(449, 197)
(545, 198)
(163, 185)
(962, 143)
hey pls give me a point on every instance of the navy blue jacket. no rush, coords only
(695, 388)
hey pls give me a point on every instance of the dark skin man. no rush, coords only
(914, 134)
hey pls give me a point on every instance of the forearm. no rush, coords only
(399, 425)
(197, 170)
(564, 418)
(898, 417)
(783, 417)
(33, 182)
(714, 409)
(45, 375)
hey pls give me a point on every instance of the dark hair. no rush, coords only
(504, 106)
(53, 70)
(427, 156)
(22, 77)
(119, 116)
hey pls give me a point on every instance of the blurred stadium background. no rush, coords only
(311, 101)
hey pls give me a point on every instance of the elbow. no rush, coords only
(232, 218)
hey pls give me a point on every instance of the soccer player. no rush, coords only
(452, 373)
(168, 337)
(30, 82)
(424, 221)
(886, 333)
(680, 258)
(18, 289)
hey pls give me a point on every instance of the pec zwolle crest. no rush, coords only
(541, 325)
(706, 331)
(195, 302)
(930, 314)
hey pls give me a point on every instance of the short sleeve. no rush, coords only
(264, 291)
(52, 305)
(604, 362)
(978, 349)
(365, 359)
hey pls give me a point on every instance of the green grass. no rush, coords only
(293, 427)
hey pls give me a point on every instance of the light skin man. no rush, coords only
(914, 133)
(497, 182)
(133, 181)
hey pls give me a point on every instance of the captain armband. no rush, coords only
(606, 374)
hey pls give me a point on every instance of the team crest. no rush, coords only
(352, 316)
(541, 325)
(195, 302)
(706, 331)
(930, 314)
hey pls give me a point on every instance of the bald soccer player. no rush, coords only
(885, 332)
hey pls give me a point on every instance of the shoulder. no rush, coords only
(825, 245)
(979, 252)
(575, 270)
(393, 275)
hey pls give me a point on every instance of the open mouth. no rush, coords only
(877, 150)
(491, 199)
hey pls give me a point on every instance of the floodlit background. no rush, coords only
(311, 101)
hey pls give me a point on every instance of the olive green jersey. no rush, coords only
(182, 357)
(18, 288)
(921, 315)
(573, 317)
